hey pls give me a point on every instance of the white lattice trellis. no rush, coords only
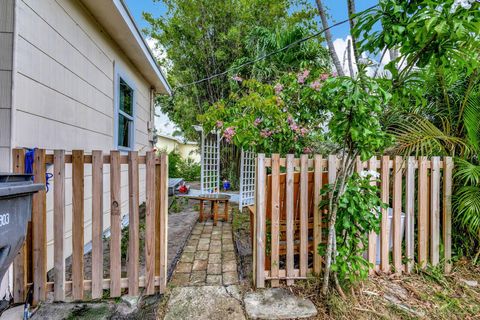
(210, 162)
(247, 179)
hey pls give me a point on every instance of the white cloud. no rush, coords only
(342, 53)
(159, 53)
(164, 125)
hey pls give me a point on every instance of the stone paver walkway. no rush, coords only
(208, 258)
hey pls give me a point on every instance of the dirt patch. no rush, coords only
(243, 244)
(424, 294)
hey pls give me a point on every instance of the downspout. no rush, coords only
(151, 128)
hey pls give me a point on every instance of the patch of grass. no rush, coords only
(162, 305)
(178, 204)
(87, 312)
(241, 220)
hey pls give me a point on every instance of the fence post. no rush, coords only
(447, 211)
(275, 235)
(422, 211)
(290, 219)
(410, 213)
(58, 223)
(39, 230)
(397, 213)
(158, 175)
(115, 228)
(133, 225)
(303, 215)
(317, 217)
(260, 223)
(21, 263)
(372, 236)
(384, 230)
(150, 223)
(435, 211)
(163, 221)
(97, 224)
(77, 223)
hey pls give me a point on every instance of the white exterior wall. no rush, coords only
(189, 151)
(64, 96)
(6, 66)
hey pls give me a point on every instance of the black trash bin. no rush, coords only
(16, 192)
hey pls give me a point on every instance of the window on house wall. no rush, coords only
(125, 115)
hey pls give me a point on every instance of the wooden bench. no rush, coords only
(283, 214)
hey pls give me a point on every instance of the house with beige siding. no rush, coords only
(75, 74)
(186, 149)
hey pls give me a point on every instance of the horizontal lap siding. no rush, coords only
(6, 43)
(64, 98)
(6, 66)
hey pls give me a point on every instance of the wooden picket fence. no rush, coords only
(30, 266)
(289, 225)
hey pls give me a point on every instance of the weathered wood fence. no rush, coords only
(289, 225)
(30, 266)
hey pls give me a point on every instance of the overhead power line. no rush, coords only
(270, 53)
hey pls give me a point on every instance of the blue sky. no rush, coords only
(337, 10)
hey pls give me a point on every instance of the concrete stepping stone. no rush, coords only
(204, 303)
(277, 303)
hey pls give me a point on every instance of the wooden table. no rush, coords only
(214, 199)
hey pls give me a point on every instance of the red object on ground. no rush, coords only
(183, 189)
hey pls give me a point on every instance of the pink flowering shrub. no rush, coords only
(278, 88)
(229, 133)
(237, 78)
(285, 116)
(302, 76)
(316, 85)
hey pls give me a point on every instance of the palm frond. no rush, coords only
(420, 137)
(471, 119)
(467, 173)
(466, 204)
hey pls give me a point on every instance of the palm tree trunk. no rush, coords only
(328, 38)
(351, 12)
(349, 55)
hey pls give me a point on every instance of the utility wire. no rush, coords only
(271, 53)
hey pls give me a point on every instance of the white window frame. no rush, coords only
(121, 74)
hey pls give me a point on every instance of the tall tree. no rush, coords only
(328, 38)
(202, 38)
(263, 42)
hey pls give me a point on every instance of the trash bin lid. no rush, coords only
(12, 184)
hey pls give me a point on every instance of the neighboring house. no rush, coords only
(186, 149)
(75, 75)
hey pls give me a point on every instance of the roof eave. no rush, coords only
(116, 19)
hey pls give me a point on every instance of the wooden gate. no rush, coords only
(82, 176)
(289, 224)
